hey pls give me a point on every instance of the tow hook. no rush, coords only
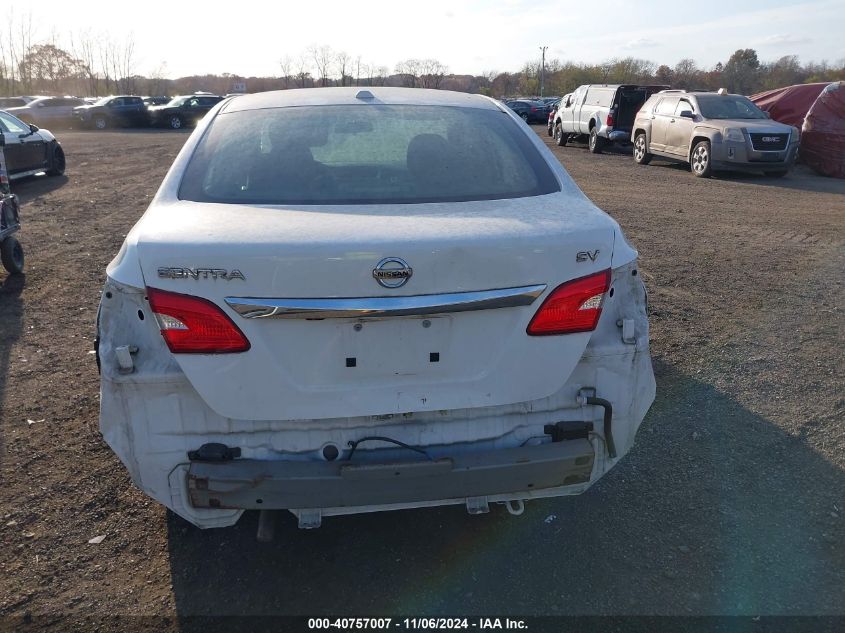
(214, 452)
(587, 396)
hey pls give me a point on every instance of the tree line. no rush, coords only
(742, 73)
(94, 64)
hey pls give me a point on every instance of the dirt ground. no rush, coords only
(731, 501)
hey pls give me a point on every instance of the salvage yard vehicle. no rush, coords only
(347, 300)
(182, 111)
(113, 111)
(602, 114)
(11, 251)
(529, 111)
(30, 150)
(713, 131)
(553, 107)
(52, 111)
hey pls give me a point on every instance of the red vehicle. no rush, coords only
(553, 106)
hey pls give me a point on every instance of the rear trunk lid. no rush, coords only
(307, 368)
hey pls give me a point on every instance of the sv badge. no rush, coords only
(583, 256)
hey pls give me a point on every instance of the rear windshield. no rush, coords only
(725, 107)
(365, 154)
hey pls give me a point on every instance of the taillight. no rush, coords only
(574, 306)
(533, 109)
(609, 119)
(191, 325)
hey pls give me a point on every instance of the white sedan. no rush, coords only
(346, 300)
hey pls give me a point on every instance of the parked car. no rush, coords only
(48, 111)
(11, 251)
(113, 111)
(529, 111)
(713, 131)
(183, 111)
(12, 102)
(550, 121)
(29, 150)
(471, 328)
(602, 114)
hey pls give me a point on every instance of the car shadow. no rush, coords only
(138, 130)
(800, 177)
(716, 510)
(11, 325)
(31, 187)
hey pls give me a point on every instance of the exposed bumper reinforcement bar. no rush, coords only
(253, 484)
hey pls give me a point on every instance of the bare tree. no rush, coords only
(83, 46)
(126, 64)
(20, 34)
(685, 74)
(322, 61)
(432, 73)
(409, 72)
(285, 65)
(303, 74)
(343, 61)
(380, 78)
(158, 83)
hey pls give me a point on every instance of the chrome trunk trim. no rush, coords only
(376, 307)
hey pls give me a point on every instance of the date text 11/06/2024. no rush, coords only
(480, 624)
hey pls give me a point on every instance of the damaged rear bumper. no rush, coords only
(255, 484)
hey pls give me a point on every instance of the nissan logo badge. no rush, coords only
(392, 272)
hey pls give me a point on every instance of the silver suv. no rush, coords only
(712, 131)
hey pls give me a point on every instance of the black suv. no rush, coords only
(183, 111)
(122, 111)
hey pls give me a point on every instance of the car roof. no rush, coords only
(346, 96)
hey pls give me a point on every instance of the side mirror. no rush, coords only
(33, 128)
(687, 114)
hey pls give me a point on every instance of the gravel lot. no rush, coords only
(731, 502)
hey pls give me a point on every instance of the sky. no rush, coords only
(249, 38)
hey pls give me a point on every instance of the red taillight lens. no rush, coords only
(533, 109)
(609, 119)
(191, 325)
(574, 306)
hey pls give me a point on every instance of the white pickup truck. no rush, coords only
(602, 113)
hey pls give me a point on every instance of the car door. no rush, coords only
(64, 110)
(14, 131)
(117, 111)
(660, 117)
(567, 109)
(679, 130)
(49, 112)
(193, 112)
(582, 115)
(136, 110)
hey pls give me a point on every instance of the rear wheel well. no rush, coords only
(639, 131)
(592, 125)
